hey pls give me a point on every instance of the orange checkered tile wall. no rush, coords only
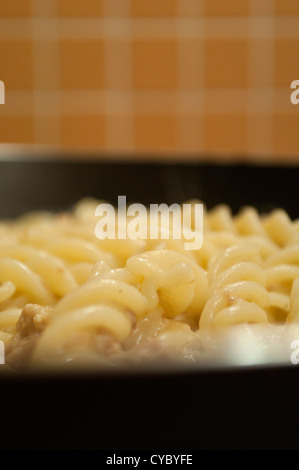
(204, 77)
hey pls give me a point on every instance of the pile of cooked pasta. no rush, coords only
(68, 299)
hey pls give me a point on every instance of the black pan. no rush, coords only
(250, 407)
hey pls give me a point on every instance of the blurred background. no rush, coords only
(196, 77)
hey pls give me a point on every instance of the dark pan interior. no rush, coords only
(55, 185)
(241, 408)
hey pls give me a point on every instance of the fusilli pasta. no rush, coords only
(68, 298)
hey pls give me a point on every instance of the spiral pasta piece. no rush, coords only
(25, 280)
(104, 290)
(179, 282)
(93, 318)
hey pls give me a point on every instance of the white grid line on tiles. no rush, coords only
(261, 36)
(118, 69)
(152, 28)
(185, 8)
(190, 60)
(213, 101)
(46, 70)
